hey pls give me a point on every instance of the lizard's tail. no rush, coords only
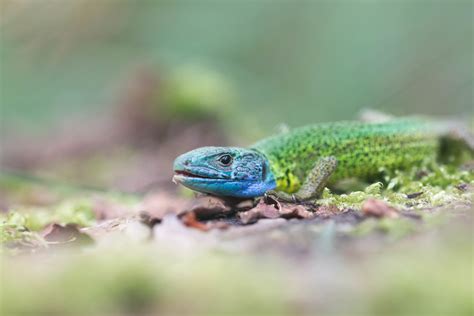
(457, 142)
(460, 131)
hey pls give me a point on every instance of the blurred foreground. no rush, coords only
(341, 263)
(182, 274)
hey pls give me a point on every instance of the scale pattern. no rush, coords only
(361, 149)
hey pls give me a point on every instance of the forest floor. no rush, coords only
(91, 223)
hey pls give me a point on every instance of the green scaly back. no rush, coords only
(361, 149)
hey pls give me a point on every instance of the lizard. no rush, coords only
(297, 165)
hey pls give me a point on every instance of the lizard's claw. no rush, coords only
(295, 199)
(270, 194)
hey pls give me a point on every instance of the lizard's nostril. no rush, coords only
(186, 163)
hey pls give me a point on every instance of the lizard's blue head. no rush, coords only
(226, 171)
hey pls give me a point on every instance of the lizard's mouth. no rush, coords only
(187, 174)
(197, 176)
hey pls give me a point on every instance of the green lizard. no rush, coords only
(297, 165)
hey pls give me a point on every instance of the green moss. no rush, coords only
(436, 185)
(14, 231)
(75, 211)
(19, 226)
(32, 203)
(421, 190)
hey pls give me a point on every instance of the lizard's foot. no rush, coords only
(270, 194)
(282, 196)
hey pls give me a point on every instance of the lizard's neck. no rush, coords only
(284, 178)
(277, 176)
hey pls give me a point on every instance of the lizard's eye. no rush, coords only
(225, 160)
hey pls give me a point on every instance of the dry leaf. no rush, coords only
(207, 207)
(189, 219)
(69, 234)
(262, 210)
(295, 211)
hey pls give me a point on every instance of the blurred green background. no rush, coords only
(287, 61)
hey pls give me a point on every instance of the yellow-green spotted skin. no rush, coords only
(361, 149)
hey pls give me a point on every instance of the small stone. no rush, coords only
(378, 208)
(414, 195)
(296, 211)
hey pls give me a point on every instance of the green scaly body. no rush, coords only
(298, 165)
(361, 149)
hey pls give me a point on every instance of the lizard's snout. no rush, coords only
(181, 162)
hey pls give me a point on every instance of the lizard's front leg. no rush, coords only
(314, 183)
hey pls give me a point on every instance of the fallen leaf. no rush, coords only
(269, 199)
(69, 234)
(262, 210)
(207, 207)
(189, 219)
(295, 211)
(378, 208)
